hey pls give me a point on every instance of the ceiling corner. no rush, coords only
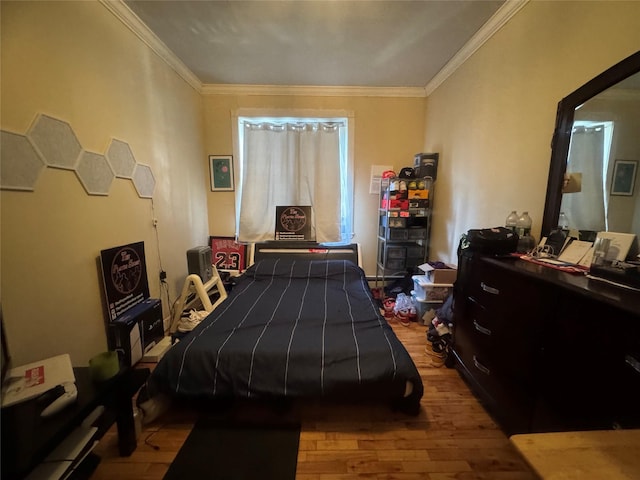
(495, 23)
(123, 13)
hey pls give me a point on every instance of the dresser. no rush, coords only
(546, 350)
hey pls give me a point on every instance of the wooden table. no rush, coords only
(597, 455)
(27, 438)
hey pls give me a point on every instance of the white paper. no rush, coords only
(587, 259)
(22, 386)
(551, 261)
(575, 251)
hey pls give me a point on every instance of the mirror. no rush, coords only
(595, 157)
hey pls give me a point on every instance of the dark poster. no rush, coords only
(124, 273)
(293, 223)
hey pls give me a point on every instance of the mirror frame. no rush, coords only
(562, 133)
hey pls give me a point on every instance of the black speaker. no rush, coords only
(199, 262)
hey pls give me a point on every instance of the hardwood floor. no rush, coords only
(452, 437)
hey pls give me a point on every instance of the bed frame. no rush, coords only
(305, 250)
(252, 345)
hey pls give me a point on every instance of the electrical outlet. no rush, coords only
(163, 276)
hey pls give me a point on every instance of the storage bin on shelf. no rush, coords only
(422, 307)
(427, 291)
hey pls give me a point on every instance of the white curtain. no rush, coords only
(290, 163)
(588, 154)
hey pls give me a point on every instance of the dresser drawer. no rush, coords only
(509, 402)
(494, 290)
(592, 368)
(477, 327)
(511, 341)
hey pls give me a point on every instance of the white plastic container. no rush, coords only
(424, 307)
(425, 291)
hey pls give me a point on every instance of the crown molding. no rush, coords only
(137, 26)
(140, 29)
(495, 23)
(311, 90)
(120, 10)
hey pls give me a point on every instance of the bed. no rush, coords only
(299, 323)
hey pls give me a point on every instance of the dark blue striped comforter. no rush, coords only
(292, 328)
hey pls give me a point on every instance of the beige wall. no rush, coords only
(492, 120)
(75, 61)
(388, 131)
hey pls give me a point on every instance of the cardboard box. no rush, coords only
(440, 275)
(137, 331)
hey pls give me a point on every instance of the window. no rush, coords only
(589, 154)
(294, 160)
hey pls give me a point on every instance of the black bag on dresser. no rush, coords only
(491, 241)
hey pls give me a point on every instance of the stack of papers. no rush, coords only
(575, 251)
(29, 381)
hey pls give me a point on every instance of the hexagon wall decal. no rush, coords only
(94, 173)
(52, 143)
(55, 141)
(20, 165)
(143, 181)
(121, 159)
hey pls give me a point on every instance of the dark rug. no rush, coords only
(237, 450)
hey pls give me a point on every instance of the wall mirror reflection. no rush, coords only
(596, 150)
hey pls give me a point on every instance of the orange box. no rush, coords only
(419, 193)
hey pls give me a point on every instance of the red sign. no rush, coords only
(34, 376)
(227, 254)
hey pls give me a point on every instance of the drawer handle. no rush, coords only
(481, 367)
(633, 362)
(488, 289)
(481, 329)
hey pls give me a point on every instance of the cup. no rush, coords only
(104, 366)
(600, 250)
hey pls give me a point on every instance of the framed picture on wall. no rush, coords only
(624, 177)
(221, 170)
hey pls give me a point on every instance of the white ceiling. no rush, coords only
(329, 43)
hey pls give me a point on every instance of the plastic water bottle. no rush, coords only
(563, 221)
(526, 242)
(523, 225)
(512, 221)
